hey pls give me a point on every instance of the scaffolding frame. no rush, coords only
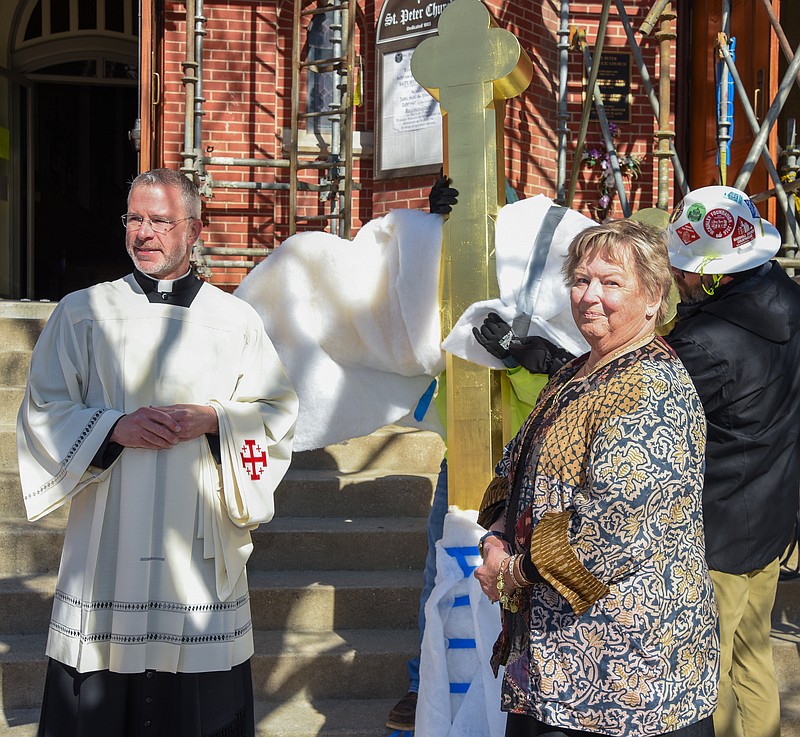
(662, 16)
(660, 13)
(334, 173)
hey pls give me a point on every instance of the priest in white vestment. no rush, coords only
(157, 406)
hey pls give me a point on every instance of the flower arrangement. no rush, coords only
(597, 157)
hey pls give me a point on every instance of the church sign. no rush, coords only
(409, 124)
(614, 80)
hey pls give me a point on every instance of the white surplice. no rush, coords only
(152, 574)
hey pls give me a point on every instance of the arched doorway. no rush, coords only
(80, 59)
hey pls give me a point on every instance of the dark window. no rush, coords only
(320, 84)
(115, 16)
(86, 68)
(59, 17)
(87, 14)
(34, 28)
(119, 70)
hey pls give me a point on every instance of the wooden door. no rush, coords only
(150, 78)
(756, 61)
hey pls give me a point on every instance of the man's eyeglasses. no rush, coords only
(157, 225)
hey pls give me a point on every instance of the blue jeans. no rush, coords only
(435, 529)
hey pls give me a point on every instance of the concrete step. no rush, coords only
(295, 601)
(787, 605)
(11, 505)
(8, 449)
(296, 707)
(20, 333)
(312, 543)
(26, 309)
(302, 493)
(392, 448)
(30, 548)
(298, 718)
(345, 664)
(393, 451)
(344, 544)
(790, 714)
(14, 365)
(328, 493)
(10, 400)
(327, 718)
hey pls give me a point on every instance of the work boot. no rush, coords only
(402, 715)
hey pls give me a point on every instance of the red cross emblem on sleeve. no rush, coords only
(254, 460)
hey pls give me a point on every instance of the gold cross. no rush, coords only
(471, 68)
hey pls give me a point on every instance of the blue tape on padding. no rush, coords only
(459, 687)
(424, 402)
(461, 554)
(461, 643)
(398, 733)
(461, 601)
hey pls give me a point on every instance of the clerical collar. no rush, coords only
(179, 292)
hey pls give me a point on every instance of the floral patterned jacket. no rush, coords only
(603, 485)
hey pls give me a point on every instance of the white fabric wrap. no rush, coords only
(477, 712)
(136, 588)
(355, 323)
(515, 233)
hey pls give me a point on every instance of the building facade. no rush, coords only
(93, 91)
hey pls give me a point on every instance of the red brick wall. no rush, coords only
(247, 86)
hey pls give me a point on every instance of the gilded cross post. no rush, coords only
(471, 68)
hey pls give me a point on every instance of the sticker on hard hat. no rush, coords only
(744, 233)
(696, 212)
(687, 234)
(718, 223)
(755, 213)
(733, 196)
(677, 212)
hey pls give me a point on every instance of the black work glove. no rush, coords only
(538, 355)
(442, 196)
(495, 335)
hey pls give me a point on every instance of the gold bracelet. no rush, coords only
(510, 602)
(511, 566)
(521, 573)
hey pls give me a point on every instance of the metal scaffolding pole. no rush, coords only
(649, 23)
(680, 176)
(608, 140)
(723, 127)
(665, 36)
(198, 111)
(790, 168)
(563, 113)
(336, 125)
(189, 80)
(782, 40)
(338, 184)
(780, 192)
(762, 134)
(587, 107)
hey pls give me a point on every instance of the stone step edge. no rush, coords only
(314, 475)
(15, 649)
(313, 718)
(44, 584)
(278, 525)
(271, 643)
(26, 309)
(300, 717)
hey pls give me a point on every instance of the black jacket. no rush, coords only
(742, 349)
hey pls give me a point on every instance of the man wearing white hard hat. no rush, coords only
(738, 334)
